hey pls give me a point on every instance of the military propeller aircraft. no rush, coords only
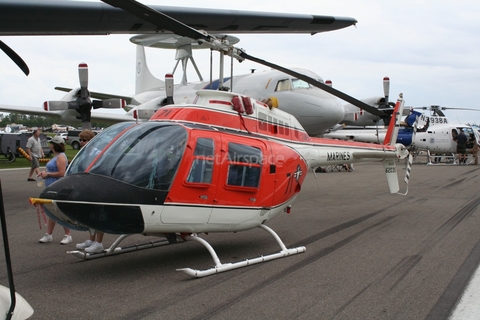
(315, 109)
(419, 132)
(225, 163)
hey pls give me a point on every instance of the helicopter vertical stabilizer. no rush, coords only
(391, 172)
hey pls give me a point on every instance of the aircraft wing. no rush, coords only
(60, 17)
(100, 95)
(27, 110)
(69, 115)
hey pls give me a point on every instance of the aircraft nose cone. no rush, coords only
(319, 114)
(316, 110)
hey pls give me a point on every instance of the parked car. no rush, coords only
(73, 139)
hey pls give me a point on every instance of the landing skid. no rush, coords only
(115, 249)
(441, 159)
(221, 267)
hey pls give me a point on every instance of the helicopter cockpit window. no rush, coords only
(90, 151)
(244, 165)
(202, 166)
(147, 155)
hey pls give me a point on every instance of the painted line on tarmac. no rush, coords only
(468, 307)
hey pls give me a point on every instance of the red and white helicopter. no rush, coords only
(225, 163)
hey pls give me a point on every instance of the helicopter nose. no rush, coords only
(89, 200)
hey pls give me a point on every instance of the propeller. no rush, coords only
(383, 104)
(15, 57)
(165, 22)
(83, 104)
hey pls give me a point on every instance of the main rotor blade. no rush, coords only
(318, 84)
(158, 18)
(15, 57)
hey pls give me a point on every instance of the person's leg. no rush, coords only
(50, 226)
(97, 245)
(99, 237)
(48, 236)
(67, 238)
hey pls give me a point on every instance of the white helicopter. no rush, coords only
(432, 134)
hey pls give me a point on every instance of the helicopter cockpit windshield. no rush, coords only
(147, 155)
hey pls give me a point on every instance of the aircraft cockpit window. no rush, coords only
(202, 166)
(146, 156)
(300, 84)
(90, 151)
(244, 165)
(283, 85)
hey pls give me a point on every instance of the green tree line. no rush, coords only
(40, 121)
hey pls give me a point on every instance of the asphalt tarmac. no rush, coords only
(370, 255)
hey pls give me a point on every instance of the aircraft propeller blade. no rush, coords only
(163, 21)
(15, 57)
(83, 75)
(386, 87)
(169, 88)
(55, 105)
(109, 103)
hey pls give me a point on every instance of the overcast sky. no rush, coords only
(429, 49)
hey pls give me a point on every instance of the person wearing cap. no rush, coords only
(34, 151)
(56, 168)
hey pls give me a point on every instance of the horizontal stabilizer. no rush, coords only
(374, 155)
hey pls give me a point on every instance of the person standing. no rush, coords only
(475, 148)
(461, 140)
(35, 152)
(56, 168)
(94, 243)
